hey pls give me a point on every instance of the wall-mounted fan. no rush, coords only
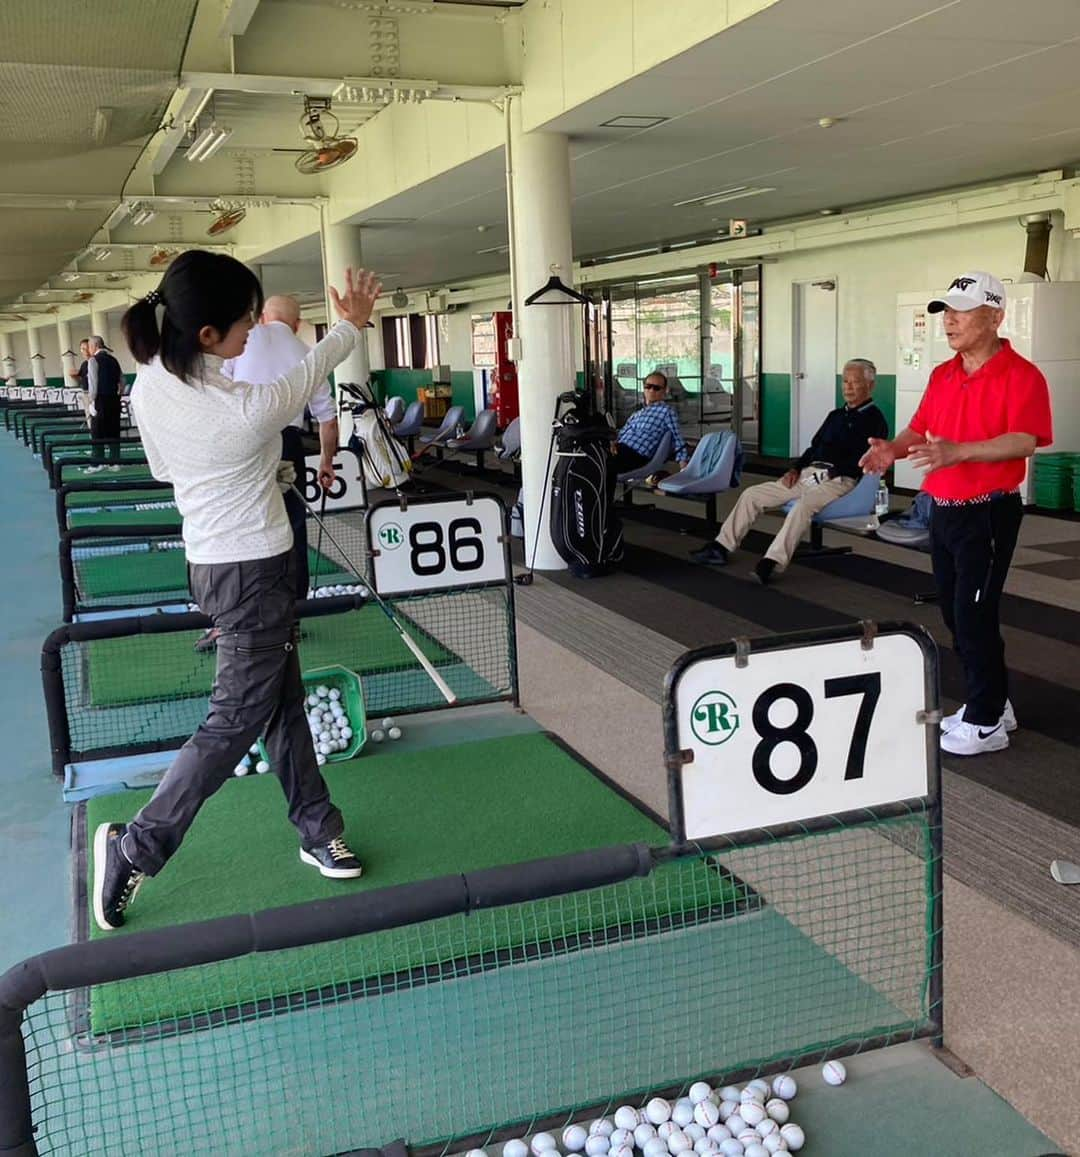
(400, 299)
(326, 149)
(226, 221)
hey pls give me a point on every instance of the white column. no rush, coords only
(341, 248)
(69, 363)
(541, 239)
(37, 363)
(99, 324)
(7, 360)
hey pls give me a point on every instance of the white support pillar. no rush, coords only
(7, 360)
(341, 248)
(539, 173)
(37, 362)
(99, 325)
(69, 362)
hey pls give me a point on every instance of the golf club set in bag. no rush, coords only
(386, 462)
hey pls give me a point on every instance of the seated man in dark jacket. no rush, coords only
(827, 469)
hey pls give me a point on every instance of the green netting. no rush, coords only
(595, 1000)
(149, 692)
(389, 801)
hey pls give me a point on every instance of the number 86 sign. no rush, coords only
(800, 727)
(436, 544)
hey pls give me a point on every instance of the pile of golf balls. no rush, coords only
(253, 760)
(331, 730)
(155, 505)
(388, 730)
(339, 589)
(752, 1120)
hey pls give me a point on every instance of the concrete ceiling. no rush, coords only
(924, 95)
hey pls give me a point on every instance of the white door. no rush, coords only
(813, 385)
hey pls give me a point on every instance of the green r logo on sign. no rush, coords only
(391, 536)
(714, 718)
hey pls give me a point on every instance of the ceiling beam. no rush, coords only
(236, 17)
(328, 86)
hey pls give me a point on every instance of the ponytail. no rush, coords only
(198, 289)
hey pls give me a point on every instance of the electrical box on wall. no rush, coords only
(1040, 322)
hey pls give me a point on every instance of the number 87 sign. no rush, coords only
(800, 727)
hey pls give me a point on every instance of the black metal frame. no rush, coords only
(930, 804)
(403, 502)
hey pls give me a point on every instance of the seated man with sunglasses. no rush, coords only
(640, 437)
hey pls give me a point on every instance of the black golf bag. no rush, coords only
(585, 529)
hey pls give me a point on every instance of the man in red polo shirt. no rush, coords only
(982, 416)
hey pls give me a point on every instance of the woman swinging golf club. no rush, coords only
(219, 443)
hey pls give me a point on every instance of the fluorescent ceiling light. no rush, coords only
(633, 122)
(208, 142)
(142, 215)
(733, 193)
(494, 249)
(102, 254)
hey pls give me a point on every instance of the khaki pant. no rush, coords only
(769, 495)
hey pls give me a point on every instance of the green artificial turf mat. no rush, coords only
(411, 817)
(124, 516)
(110, 498)
(133, 472)
(146, 668)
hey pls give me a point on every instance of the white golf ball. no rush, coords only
(387, 723)
(730, 1093)
(622, 1137)
(655, 1147)
(335, 694)
(621, 1151)
(834, 1072)
(749, 1137)
(346, 732)
(320, 759)
(574, 1138)
(324, 749)
(627, 1117)
(394, 733)
(694, 1131)
(767, 1127)
(601, 1127)
(476, 1153)
(794, 1136)
(718, 1133)
(377, 736)
(515, 1148)
(678, 1142)
(755, 1149)
(682, 1112)
(322, 691)
(643, 1134)
(658, 1111)
(778, 1110)
(262, 767)
(240, 769)
(785, 1087)
(699, 1091)
(727, 1108)
(253, 749)
(312, 700)
(542, 1142)
(705, 1145)
(735, 1124)
(762, 1086)
(752, 1113)
(751, 1093)
(774, 1143)
(706, 1113)
(731, 1147)
(597, 1145)
(665, 1130)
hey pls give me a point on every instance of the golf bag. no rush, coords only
(386, 462)
(585, 529)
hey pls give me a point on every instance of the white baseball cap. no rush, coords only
(969, 291)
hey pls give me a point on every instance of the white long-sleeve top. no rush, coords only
(272, 349)
(219, 443)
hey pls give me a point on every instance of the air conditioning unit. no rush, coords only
(437, 302)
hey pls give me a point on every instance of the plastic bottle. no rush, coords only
(881, 503)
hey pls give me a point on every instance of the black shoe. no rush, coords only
(208, 641)
(116, 879)
(712, 554)
(763, 572)
(334, 860)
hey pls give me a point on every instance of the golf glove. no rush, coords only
(286, 476)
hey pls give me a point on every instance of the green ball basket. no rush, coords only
(352, 698)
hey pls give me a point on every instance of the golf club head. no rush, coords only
(1065, 872)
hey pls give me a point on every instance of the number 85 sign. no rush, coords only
(437, 544)
(798, 728)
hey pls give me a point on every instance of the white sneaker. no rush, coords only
(971, 739)
(1008, 717)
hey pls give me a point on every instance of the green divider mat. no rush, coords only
(124, 516)
(145, 668)
(146, 572)
(410, 817)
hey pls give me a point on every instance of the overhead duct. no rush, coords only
(1037, 226)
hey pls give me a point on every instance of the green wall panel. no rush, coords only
(884, 395)
(405, 383)
(776, 415)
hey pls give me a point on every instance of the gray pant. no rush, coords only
(258, 690)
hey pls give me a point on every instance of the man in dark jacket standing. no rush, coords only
(105, 385)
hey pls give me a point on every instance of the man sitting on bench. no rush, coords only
(640, 438)
(827, 469)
